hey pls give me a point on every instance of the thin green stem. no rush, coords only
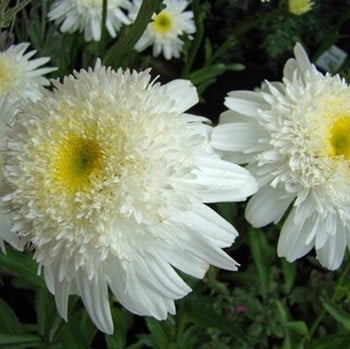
(132, 33)
(199, 18)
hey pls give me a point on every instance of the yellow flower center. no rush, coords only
(162, 22)
(339, 137)
(77, 160)
(8, 74)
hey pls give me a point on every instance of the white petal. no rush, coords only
(245, 102)
(267, 206)
(209, 253)
(163, 278)
(301, 57)
(332, 253)
(224, 181)
(94, 294)
(237, 136)
(207, 223)
(6, 233)
(187, 263)
(292, 242)
(183, 93)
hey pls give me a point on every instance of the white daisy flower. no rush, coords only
(86, 16)
(7, 113)
(166, 28)
(295, 137)
(108, 177)
(20, 76)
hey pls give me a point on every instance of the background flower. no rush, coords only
(20, 76)
(86, 16)
(295, 137)
(108, 181)
(21, 79)
(165, 31)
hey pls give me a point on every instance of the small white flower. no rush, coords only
(20, 76)
(166, 28)
(295, 137)
(108, 177)
(86, 16)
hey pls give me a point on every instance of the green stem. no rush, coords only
(132, 33)
(199, 18)
(319, 318)
(103, 28)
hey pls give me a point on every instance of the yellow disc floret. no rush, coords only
(339, 137)
(76, 161)
(162, 22)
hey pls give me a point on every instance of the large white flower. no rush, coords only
(20, 76)
(295, 137)
(166, 28)
(108, 177)
(86, 16)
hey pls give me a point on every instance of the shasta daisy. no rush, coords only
(294, 136)
(107, 177)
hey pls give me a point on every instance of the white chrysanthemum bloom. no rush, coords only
(7, 113)
(166, 28)
(108, 178)
(295, 137)
(20, 76)
(86, 16)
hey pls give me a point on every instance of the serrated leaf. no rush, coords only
(338, 314)
(9, 322)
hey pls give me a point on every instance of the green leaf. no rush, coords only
(289, 274)
(339, 340)
(22, 265)
(161, 332)
(203, 74)
(260, 251)
(121, 320)
(9, 322)
(298, 327)
(338, 314)
(30, 340)
(45, 309)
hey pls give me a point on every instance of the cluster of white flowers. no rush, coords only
(107, 175)
(164, 33)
